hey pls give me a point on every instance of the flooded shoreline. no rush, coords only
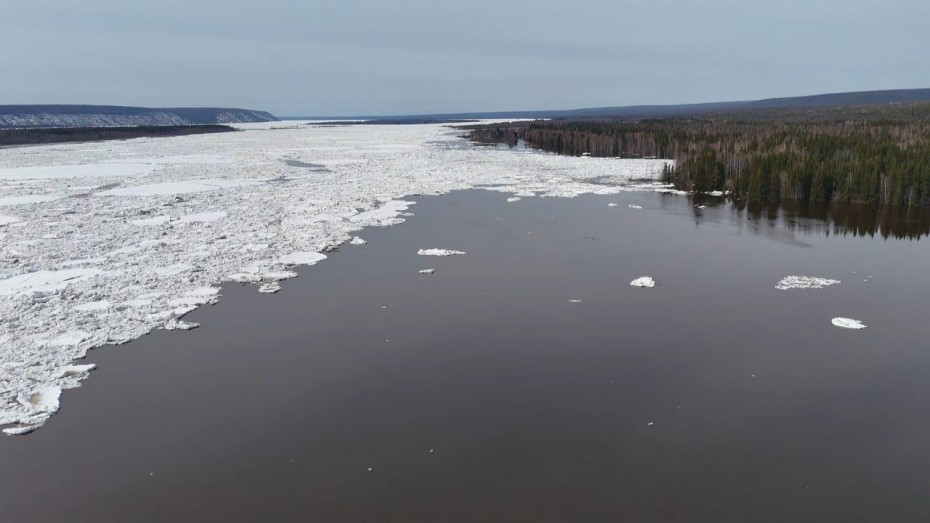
(523, 380)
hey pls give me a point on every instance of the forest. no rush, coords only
(869, 154)
(14, 137)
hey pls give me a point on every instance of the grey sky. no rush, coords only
(345, 57)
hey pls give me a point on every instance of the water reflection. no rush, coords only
(887, 222)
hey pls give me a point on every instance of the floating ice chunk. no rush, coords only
(6, 220)
(270, 288)
(173, 188)
(302, 258)
(94, 306)
(20, 430)
(643, 281)
(634, 206)
(72, 371)
(848, 323)
(41, 283)
(574, 301)
(715, 193)
(514, 199)
(389, 211)
(439, 252)
(357, 241)
(203, 217)
(804, 282)
(176, 324)
(611, 204)
(426, 271)
(700, 206)
(157, 220)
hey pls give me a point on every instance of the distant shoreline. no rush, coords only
(25, 137)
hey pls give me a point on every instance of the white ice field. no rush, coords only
(102, 242)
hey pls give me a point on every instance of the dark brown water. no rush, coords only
(712, 397)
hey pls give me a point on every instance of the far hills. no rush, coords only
(57, 116)
(848, 99)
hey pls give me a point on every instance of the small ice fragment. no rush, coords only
(574, 301)
(848, 323)
(20, 430)
(611, 204)
(643, 281)
(700, 206)
(804, 282)
(76, 370)
(176, 324)
(270, 288)
(431, 451)
(426, 271)
(369, 469)
(357, 241)
(439, 252)
(634, 206)
(651, 423)
(514, 199)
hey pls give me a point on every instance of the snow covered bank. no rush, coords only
(103, 242)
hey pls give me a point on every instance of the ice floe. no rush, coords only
(6, 220)
(426, 271)
(302, 258)
(848, 323)
(634, 206)
(357, 241)
(804, 282)
(106, 223)
(439, 252)
(157, 220)
(174, 188)
(514, 199)
(94, 306)
(643, 281)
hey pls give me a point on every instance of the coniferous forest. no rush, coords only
(873, 154)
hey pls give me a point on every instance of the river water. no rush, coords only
(365, 391)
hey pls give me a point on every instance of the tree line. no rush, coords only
(873, 154)
(11, 137)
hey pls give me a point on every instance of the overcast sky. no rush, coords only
(364, 57)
